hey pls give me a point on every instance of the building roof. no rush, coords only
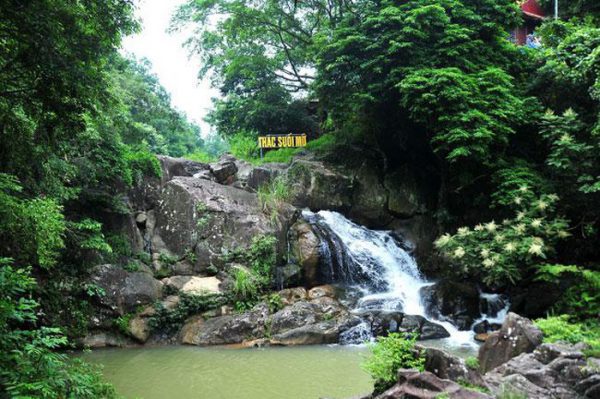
(532, 9)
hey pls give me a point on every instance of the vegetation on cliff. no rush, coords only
(509, 134)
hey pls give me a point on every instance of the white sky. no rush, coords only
(170, 61)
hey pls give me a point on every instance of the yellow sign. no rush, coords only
(282, 141)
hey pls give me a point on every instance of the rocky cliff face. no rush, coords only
(183, 227)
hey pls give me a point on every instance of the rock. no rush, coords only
(321, 291)
(481, 337)
(369, 199)
(213, 220)
(125, 291)
(325, 332)
(230, 329)
(139, 329)
(297, 315)
(189, 331)
(405, 195)
(457, 302)
(425, 385)
(290, 296)
(261, 175)
(517, 335)
(193, 284)
(383, 323)
(288, 275)
(306, 250)
(172, 167)
(425, 328)
(313, 185)
(183, 268)
(224, 171)
(450, 367)
(551, 371)
(103, 339)
(140, 219)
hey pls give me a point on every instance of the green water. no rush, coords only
(219, 373)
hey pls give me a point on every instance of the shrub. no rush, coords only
(244, 145)
(29, 365)
(559, 328)
(499, 253)
(273, 195)
(472, 362)
(189, 305)
(143, 163)
(389, 354)
(582, 297)
(201, 156)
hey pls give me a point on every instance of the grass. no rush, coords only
(273, 195)
(201, 156)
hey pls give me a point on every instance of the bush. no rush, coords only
(201, 156)
(472, 362)
(559, 328)
(273, 195)
(29, 365)
(498, 254)
(582, 297)
(389, 354)
(244, 146)
(189, 304)
(143, 163)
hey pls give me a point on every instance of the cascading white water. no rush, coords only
(386, 275)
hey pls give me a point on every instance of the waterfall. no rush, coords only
(383, 274)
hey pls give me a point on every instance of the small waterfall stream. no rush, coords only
(382, 273)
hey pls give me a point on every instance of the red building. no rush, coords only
(533, 14)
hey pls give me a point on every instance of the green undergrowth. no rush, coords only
(389, 354)
(561, 328)
(169, 321)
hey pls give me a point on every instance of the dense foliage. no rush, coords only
(78, 126)
(390, 354)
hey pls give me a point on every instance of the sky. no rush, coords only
(176, 71)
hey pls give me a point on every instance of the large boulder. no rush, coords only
(103, 339)
(193, 284)
(550, 371)
(125, 291)
(517, 335)
(172, 167)
(450, 367)
(313, 185)
(370, 197)
(224, 171)
(305, 250)
(454, 301)
(212, 220)
(426, 385)
(229, 329)
(383, 323)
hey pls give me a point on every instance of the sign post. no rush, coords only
(276, 141)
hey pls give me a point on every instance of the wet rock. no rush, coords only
(230, 329)
(425, 328)
(517, 335)
(406, 197)
(306, 250)
(125, 291)
(370, 197)
(481, 337)
(321, 291)
(193, 284)
(288, 275)
(457, 302)
(290, 296)
(426, 385)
